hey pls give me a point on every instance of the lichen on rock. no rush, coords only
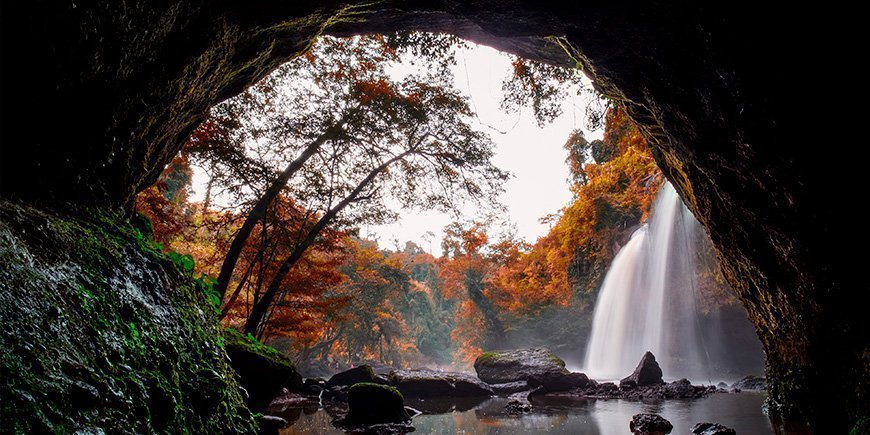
(102, 332)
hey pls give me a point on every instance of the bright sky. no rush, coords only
(534, 155)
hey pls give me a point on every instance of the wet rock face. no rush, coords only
(714, 89)
(712, 429)
(103, 333)
(750, 383)
(518, 365)
(647, 373)
(649, 424)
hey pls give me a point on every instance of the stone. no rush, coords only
(510, 387)
(363, 373)
(428, 383)
(262, 371)
(649, 424)
(518, 365)
(370, 403)
(647, 372)
(313, 386)
(750, 383)
(552, 382)
(517, 407)
(270, 424)
(712, 429)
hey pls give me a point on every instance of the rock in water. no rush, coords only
(429, 383)
(555, 382)
(647, 372)
(375, 404)
(262, 371)
(750, 383)
(712, 429)
(270, 424)
(347, 378)
(649, 424)
(510, 387)
(518, 365)
(517, 407)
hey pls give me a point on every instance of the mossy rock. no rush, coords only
(370, 403)
(103, 332)
(518, 365)
(262, 370)
(363, 373)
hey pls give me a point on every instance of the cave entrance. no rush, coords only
(459, 257)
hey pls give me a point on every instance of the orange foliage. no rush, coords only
(617, 192)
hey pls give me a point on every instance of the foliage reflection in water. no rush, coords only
(741, 411)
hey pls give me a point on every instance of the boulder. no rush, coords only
(553, 382)
(270, 424)
(370, 403)
(363, 373)
(712, 429)
(647, 372)
(649, 424)
(518, 365)
(263, 371)
(750, 383)
(313, 386)
(510, 387)
(428, 383)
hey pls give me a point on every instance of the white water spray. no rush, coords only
(647, 299)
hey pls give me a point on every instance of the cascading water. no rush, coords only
(648, 299)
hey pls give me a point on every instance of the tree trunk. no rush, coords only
(254, 324)
(259, 211)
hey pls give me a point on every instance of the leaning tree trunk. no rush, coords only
(255, 322)
(259, 211)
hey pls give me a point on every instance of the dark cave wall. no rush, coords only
(112, 90)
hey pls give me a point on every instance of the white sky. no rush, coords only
(534, 156)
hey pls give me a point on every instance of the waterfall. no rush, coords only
(647, 300)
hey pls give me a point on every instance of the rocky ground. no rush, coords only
(521, 375)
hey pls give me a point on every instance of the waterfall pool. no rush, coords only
(740, 411)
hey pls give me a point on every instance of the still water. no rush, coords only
(741, 411)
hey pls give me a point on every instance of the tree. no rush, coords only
(376, 140)
(466, 273)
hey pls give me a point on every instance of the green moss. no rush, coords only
(232, 337)
(105, 332)
(486, 358)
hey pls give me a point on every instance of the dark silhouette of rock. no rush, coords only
(510, 387)
(270, 424)
(647, 372)
(428, 383)
(649, 424)
(313, 386)
(355, 375)
(518, 365)
(750, 383)
(262, 371)
(712, 429)
(370, 403)
(552, 382)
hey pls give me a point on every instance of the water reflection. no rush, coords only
(564, 416)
